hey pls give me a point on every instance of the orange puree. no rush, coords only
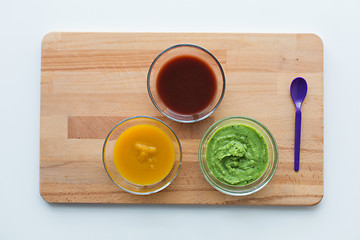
(144, 154)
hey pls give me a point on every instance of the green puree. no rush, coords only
(237, 154)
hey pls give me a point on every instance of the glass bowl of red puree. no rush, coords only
(186, 83)
(142, 155)
(238, 155)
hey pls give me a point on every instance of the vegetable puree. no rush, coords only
(237, 154)
(144, 154)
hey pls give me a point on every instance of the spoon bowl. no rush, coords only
(298, 90)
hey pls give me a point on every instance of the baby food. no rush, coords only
(186, 84)
(237, 154)
(144, 154)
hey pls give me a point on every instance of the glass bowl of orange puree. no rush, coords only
(142, 155)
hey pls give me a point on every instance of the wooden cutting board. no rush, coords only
(91, 81)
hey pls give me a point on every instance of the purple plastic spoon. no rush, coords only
(298, 90)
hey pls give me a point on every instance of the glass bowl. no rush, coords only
(110, 165)
(252, 186)
(214, 68)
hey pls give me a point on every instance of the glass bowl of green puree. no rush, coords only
(238, 155)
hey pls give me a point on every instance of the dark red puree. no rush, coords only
(186, 84)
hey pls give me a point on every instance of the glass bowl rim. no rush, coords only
(134, 192)
(217, 63)
(255, 188)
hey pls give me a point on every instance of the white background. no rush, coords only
(25, 215)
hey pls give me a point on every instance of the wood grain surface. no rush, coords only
(91, 81)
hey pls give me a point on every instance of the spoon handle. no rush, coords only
(297, 139)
